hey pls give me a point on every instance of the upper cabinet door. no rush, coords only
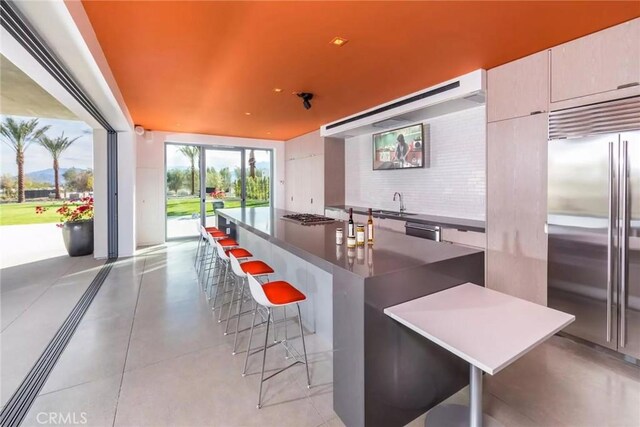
(519, 88)
(601, 62)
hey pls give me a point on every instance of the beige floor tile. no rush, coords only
(97, 350)
(205, 388)
(95, 400)
(566, 383)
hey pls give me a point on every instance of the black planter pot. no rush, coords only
(78, 237)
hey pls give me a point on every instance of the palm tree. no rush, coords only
(55, 147)
(19, 135)
(192, 153)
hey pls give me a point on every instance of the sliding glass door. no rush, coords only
(182, 185)
(258, 177)
(231, 178)
(223, 186)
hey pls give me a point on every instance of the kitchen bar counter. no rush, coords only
(442, 221)
(391, 252)
(383, 374)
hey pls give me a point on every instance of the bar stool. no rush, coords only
(214, 263)
(207, 236)
(241, 271)
(201, 240)
(204, 233)
(223, 260)
(271, 295)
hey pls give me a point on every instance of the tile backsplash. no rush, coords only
(453, 185)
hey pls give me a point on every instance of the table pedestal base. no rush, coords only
(452, 415)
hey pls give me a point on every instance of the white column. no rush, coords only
(100, 230)
(126, 194)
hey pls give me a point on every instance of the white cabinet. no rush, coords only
(310, 181)
(305, 184)
(605, 61)
(517, 207)
(315, 185)
(519, 88)
(466, 238)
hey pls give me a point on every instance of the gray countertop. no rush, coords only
(442, 221)
(391, 251)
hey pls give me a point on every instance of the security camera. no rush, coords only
(306, 98)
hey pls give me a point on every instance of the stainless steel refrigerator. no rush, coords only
(594, 221)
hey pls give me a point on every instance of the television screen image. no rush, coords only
(402, 148)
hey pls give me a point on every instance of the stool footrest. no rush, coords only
(283, 369)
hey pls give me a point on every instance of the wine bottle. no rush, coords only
(370, 228)
(351, 231)
(352, 227)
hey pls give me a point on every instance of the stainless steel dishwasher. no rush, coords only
(425, 231)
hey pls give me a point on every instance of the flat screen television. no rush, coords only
(402, 148)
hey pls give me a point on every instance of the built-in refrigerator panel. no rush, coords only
(630, 307)
(581, 173)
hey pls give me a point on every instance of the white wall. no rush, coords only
(150, 197)
(453, 185)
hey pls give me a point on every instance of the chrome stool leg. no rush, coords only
(235, 339)
(233, 294)
(304, 347)
(253, 324)
(264, 357)
(222, 278)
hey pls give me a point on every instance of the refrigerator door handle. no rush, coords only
(624, 240)
(610, 240)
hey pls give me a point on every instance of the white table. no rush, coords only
(488, 329)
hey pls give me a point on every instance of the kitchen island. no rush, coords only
(384, 374)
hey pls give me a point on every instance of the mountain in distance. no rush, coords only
(46, 175)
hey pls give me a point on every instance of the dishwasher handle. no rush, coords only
(425, 231)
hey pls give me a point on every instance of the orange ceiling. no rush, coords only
(200, 66)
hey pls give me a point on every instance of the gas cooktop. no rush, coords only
(308, 219)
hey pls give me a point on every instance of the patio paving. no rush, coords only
(21, 244)
(39, 285)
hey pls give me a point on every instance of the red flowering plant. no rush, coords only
(72, 212)
(217, 194)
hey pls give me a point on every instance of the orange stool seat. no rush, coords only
(239, 253)
(227, 243)
(217, 233)
(256, 268)
(281, 292)
(212, 228)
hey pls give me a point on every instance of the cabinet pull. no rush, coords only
(629, 85)
(533, 113)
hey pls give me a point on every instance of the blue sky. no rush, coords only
(79, 155)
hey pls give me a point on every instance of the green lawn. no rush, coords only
(188, 206)
(25, 213)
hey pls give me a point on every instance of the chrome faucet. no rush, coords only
(399, 195)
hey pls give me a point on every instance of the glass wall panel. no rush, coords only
(183, 190)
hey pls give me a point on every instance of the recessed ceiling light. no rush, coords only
(277, 90)
(338, 41)
(247, 114)
(268, 133)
